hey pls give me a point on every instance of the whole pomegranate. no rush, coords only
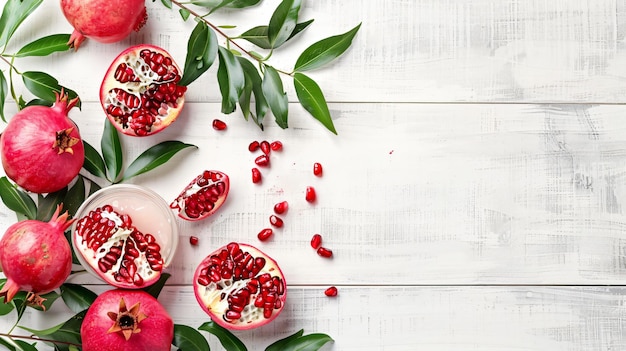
(126, 320)
(140, 92)
(41, 148)
(240, 287)
(105, 21)
(203, 196)
(35, 256)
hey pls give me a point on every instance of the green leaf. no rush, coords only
(155, 289)
(226, 338)
(253, 77)
(93, 187)
(154, 157)
(94, 163)
(167, 3)
(283, 22)
(184, 14)
(17, 200)
(233, 4)
(201, 53)
(13, 14)
(312, 99)
(188, 339)
(5, 308)
(276, 96)
(68, 237)
(47, 205)
(325, 50)
(75, 196)
(24, 346)
(279, 345)
(243, 3)
(66, 332)
(6, 344)
(77, 297)
(310, 342)
(111, 151)
(220, 5)
(3, 94)
(230, 79)
(45, 46)
(259, 35)
(44, 86)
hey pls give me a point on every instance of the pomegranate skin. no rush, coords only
(156, 330)
(105, 21)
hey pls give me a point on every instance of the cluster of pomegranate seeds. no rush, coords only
(262, 160)
(219, 124)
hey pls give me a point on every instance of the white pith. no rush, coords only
(212, 294)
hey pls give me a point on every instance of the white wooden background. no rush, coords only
(474, 197)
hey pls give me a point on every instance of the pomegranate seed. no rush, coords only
(281, 207)
(317, 169)
(193, 240)
(256, 175)
(331, 291)
(324, 252)
(265, 234)
(310, 195)
(254, 146)
(262, 161)
(219, 124)
(265, 147)
(276, 221)
(316, 241)
(276, 145)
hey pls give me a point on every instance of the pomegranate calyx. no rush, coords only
(35, 300)
(76, 38)
(127, 321)
(61, 220)
(64, 141)
(9, 290)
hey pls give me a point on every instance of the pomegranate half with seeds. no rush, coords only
(140, 92)
(240, 287)
(202, 196)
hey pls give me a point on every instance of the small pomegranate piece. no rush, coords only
(126, 320)
(316, 241)
(310, 194)
(317, 169)
(203, 196)
(276, 221)
(331, 291)
(116, 250)
(254, 146)
(140, 92)
(281, 207)
(262, 161)
(256, 175)
(240, 287)
(265, 234)
(219, 124)
(265, 147)
(276, 145)
(193, 240)
(324, 252)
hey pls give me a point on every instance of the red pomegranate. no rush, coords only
(203, 196)
(240, 287)
(140, 92)
(105, 21)
(126, 320)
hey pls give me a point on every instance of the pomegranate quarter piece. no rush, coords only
(203, 196)
(140, 92)
(240, 287)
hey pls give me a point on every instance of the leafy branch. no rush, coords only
(239, 79)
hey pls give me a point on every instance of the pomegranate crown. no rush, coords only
(63, 220)
(126, 321)
(61, 101)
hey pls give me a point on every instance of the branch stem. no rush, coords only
(27, 337)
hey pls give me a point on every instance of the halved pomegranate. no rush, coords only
(116, 250)
(203, 196)
(240, 287)
(140, 92)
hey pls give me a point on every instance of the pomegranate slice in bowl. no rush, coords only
(204, 195)
(126, 235)
(240, 287)
(140, 92)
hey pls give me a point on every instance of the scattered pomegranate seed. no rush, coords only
(265, 234)
(254, 146)
(219, 124)
(324, 252)
(256, 175)
(276, 221)
(276, 145)
(317, 169)
(281, 207)
(316, 241)
(262, 161)
(265, 147)
(331, 291)
(310, 194)
(193, 240)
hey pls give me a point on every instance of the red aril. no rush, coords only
(262, 161)
(193, 240)
(265, 234)
(276, 221)
(140, 92)
(310, 194)
(126, 320)
(203, 196)
(281, 207)
(116, 250)
(324, 252)
(276, 145)
(265, 147)
(254, 145)
(219, 124)
(256, 175)
(240, 287)
(316, 241)
(41, 148)
(331, 291)
(317, 169)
